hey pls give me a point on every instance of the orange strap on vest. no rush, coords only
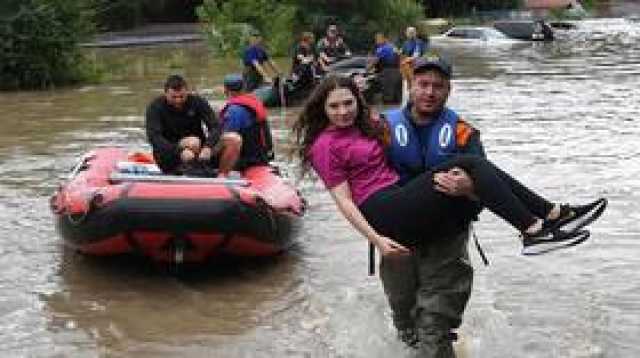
(463, 133)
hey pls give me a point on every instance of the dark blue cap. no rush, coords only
(233, 82)
(432, 62)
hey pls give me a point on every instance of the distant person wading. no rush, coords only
(258, 66)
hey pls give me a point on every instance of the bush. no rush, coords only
(40, 43)
(359, 20)
(117, 14)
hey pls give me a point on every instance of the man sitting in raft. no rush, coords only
(331, 48)
(244, 118)
(175, 125)
(304, 61)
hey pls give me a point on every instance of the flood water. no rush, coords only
(564, 117)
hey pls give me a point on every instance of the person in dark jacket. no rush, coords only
(304, 61)
(331, 48)
(183, 130)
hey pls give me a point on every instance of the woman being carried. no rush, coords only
(337, 137)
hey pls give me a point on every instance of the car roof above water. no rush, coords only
(470, 32)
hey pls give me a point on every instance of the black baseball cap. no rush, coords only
(432, 62)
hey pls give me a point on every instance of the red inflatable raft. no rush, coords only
(118, 203)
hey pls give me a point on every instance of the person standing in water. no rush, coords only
(428, 290)
(258, 66)
(337, 137)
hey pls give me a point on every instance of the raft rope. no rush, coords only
(478, 247)
(283, 104)
(372, 260)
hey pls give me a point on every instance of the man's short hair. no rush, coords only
(175, 82)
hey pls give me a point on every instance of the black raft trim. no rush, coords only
(128, 215)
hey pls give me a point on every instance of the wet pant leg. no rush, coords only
(445, 278)
(400, 282)
(252, 78)
(391, 81)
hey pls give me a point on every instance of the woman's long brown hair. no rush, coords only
(313, 118)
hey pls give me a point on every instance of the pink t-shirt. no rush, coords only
(345, 154)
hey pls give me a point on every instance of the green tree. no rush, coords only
(446, 8)
(117, 14)
(125, 14)
(230, 22)
(40, 41)
(393, 16)
(361, 19)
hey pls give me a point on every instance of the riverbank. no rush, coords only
(150, 34)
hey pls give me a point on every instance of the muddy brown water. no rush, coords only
(563, 117)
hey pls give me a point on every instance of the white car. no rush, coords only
(471, 36)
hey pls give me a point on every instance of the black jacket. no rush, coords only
(166, 126)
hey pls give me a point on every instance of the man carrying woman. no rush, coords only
(336, 135)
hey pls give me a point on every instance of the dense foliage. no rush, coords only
(361, 19)
(447, 8)
(40, 43)
(230, 23)
(40, 38)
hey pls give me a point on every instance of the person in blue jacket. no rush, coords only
(413, 46)
(244, 118)
(428, 290)
(412, 49)
(258, 66)
(385, 63)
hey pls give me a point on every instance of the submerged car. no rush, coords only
(537, 30)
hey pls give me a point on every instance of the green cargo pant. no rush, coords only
(428, 292)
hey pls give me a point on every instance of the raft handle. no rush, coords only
(95, 200)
